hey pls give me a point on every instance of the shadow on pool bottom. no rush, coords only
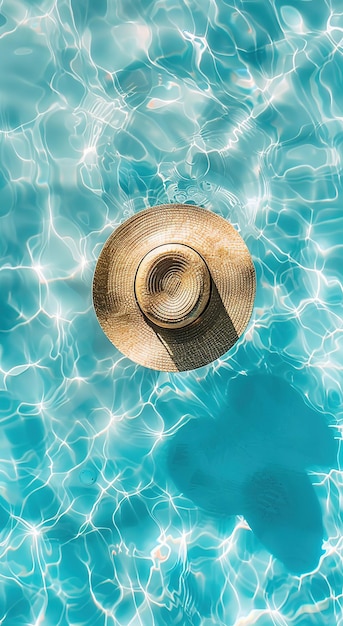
(252, 460)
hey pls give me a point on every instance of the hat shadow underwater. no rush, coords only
(251, 460)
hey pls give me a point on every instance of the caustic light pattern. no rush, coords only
(130, 497)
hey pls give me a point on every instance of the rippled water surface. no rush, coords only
(130, 497)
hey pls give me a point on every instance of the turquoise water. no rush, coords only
(130, 497)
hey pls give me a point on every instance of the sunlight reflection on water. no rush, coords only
(116, 505)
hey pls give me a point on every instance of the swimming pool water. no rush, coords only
(130, 497)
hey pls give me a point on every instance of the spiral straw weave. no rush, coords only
(174, 287)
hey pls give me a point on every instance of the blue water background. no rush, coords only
(130, 497)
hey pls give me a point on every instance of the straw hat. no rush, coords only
(174, 287)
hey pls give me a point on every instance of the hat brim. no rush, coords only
(232, 291)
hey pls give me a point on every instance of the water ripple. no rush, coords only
(107, 108)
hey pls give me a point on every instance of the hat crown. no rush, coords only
(172, 285)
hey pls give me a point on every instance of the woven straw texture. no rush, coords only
(230, 302)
